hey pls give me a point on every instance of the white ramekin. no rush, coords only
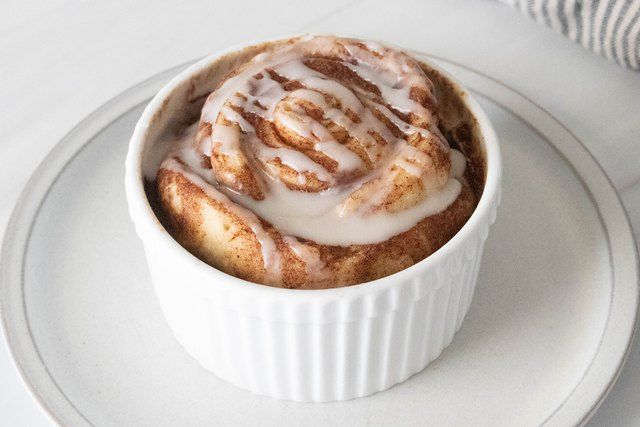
(310, 345)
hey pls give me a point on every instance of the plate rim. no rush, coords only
(578, 406)
(597, 186)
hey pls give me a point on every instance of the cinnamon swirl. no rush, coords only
(321, 162)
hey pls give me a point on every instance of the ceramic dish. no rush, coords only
(307, 345)
(544, 339)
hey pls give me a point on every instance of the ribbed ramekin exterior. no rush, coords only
(333, 350)
(312, 345)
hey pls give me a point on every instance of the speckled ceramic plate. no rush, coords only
(545, 338)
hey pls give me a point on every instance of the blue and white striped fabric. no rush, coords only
(610, 28)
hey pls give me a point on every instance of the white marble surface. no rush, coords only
(61, 59)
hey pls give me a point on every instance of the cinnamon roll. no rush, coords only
(321, 162)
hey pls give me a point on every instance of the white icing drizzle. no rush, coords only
(314, 265)
(296, 160)
(414, 161)
(317, 219)
(255, 91)
(270, 254)
(458, 164)
(258, 91)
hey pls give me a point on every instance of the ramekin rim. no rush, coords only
(148, 226)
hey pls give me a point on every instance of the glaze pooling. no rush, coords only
(331, 140)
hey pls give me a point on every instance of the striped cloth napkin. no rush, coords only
(610, 28)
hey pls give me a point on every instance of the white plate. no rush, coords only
(544, 340)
